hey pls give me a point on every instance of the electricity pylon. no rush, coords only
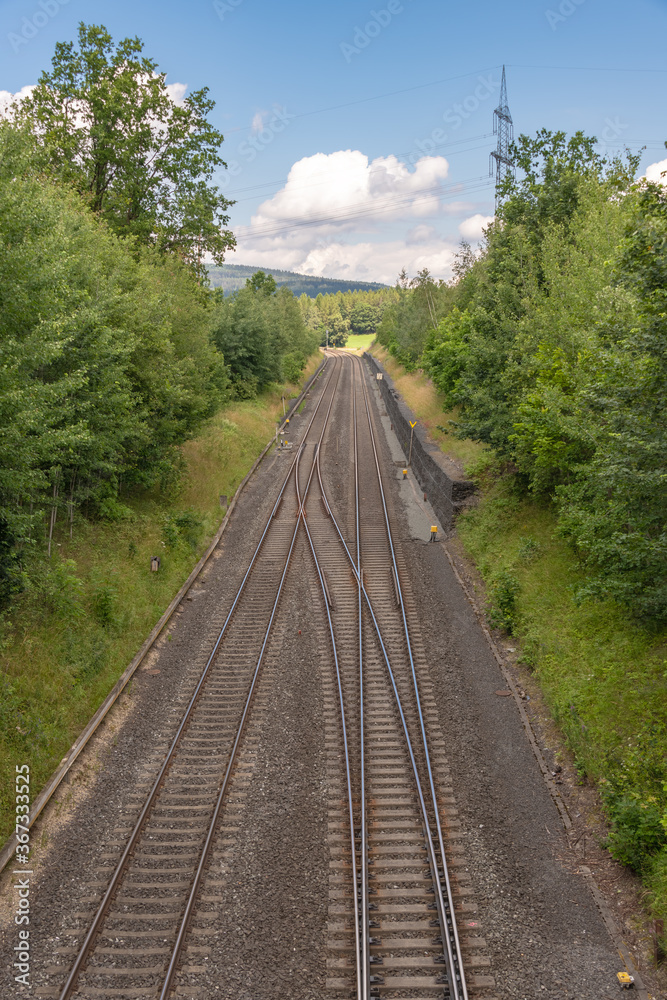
(504, 129)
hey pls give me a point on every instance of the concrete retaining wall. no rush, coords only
(440, 481)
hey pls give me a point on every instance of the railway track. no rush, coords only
(135, 941)
(392, 909)
(406, 940)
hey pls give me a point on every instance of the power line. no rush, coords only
(377, 97)
(272, 229)
(336, 174)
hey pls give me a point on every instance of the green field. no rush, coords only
(359, 341)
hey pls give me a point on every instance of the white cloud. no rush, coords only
(472, 228)
(176, 92)
(7, 98)
(337, 189)
(364, 260)
(332, 213)
(657, 172)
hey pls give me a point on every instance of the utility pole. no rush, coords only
(503, 127)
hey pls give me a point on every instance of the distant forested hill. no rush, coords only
(229, 277)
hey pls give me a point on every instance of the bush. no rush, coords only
(637, 833)
(504, 592)
(293, 365)
(635, 798)
(184, 527)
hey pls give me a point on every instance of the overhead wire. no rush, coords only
(376, 97)
(329, 174)
(272, 229)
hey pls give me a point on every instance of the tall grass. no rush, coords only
(65, 641)
(603, 677)
(426, 402)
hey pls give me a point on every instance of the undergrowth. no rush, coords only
(84, 613)
(602, 675)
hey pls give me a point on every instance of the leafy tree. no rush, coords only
(106, 362)
(262, 334)
(364, 317)
(552, 175)
(616, 510)
(144, 162)
(264, 283)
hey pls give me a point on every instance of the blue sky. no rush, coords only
(379, 114)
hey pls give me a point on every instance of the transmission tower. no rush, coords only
(504, 129)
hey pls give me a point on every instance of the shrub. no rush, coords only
(504, 592)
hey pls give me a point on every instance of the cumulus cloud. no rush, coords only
(336, 189)
(7, 98)
(657, 172)
(330, 216)
(472, 228)
(176, 92)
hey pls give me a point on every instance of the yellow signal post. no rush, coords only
(411, 436)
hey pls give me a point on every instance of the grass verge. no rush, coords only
(423, 399)
(65, 641)
(603, 677)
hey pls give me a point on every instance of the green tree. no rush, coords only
(261, 282)
(106, 361)
(144, 162)
(364, 317)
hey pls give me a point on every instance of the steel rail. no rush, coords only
(358, 936)
(457, 978)
(365, 942)
(453, 953)
(81, 742)
(194, 889)
(119, 871)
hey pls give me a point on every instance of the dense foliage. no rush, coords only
(106, 360)
(112, 351)
(142, 160)
(261, 332)
(552, 344)
(334, 317)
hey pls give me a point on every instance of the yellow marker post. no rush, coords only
(411, 436)
(405, 473)
(434, 532)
